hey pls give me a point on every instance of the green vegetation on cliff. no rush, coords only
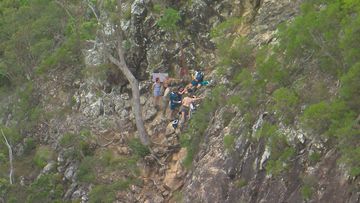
(36, 37)
(311, 75)
(309, 79)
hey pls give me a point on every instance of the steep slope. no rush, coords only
(268, 129)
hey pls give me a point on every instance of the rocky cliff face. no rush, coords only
(102, 105)
(219, 175)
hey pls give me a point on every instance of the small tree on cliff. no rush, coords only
(169, 22)
(119, 60)
(134, 83)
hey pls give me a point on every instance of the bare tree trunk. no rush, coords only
(93, 10)
(134, 83)
(136, 107)
(10, 158)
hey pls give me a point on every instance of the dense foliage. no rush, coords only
(36, 37)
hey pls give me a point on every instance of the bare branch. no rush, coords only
(66, 10)
(120, 62)
(10, 158)
(107, 144)
(93, 10)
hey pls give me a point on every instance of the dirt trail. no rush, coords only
(163, 176)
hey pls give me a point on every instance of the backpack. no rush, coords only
(199, 76)
(174, 97)
(175, 123)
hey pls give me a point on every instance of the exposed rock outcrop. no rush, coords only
(102, 105)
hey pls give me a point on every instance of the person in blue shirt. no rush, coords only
(175, 101)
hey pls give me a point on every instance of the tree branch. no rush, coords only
(93, 10)
(10, 158)
(120, 62)
(66, 10)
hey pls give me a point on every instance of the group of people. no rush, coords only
(180, 99)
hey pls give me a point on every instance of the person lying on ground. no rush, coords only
(197, 80)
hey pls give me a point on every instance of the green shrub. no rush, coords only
(178, 196)
(126, 14)
(267, 130)
(227, 117)
(126, 164)
(280, 162)
(137, 148)
(73, 153)
(306, 192)
(107, 158)
(284, 97)
(192, 138)
(102, 193)
(186, 141)
(29, 144)
(43, 154)
(88, 29)
(269, 68)
(45, 189)
(4, 186)
(225, 27)
(349, 146)
(250, 93)
(169, 20)
(281, 154)
(12, 135)
(67, 139)
(317, 117)
(241, 183)
(314, 157)
(311, 92)
(350, 88)
(286, 104)
(234, 53)
(19, 48)
(319, 40)
(244, 78)
(107, 193)
(4, 78)
(78, 145)
(324, 118)
(229, 142)
(66, 55)
(13, 200)
(3, 158)
(336, 120)
(350, 36)
(157, 8)
(86, 171)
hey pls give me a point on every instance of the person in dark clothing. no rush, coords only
(175, 102)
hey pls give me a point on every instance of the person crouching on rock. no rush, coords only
(185, 108)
